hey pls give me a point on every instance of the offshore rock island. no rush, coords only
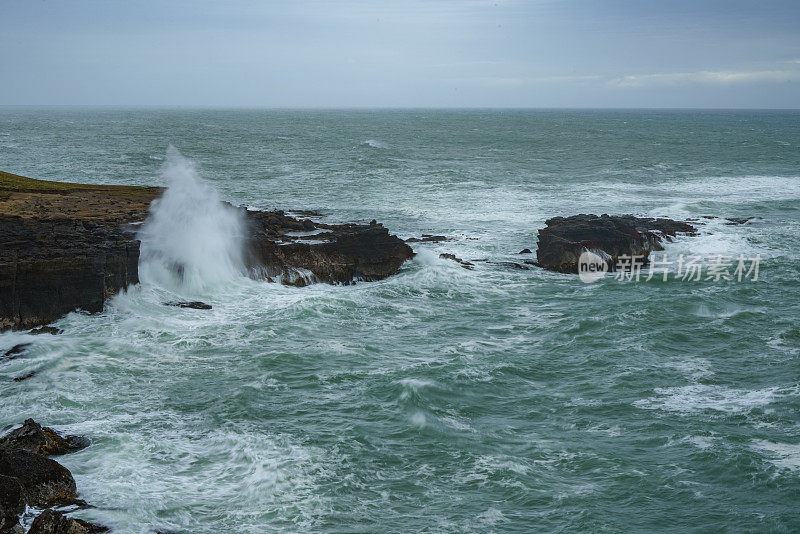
(67, 246)
(564, 239)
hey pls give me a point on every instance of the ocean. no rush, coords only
(440, 399)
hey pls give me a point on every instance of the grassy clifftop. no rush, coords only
(21, 184)
(41, 199)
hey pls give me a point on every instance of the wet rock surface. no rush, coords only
(509, 265)
(564, 239)
(33, 437)
(305, 213)
(44, 482)
(52, 522)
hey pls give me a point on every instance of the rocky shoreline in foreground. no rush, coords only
(70, 246)
(29, 478)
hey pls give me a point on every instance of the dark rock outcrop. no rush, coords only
(52, 330)
(732, 221)
(453, 257)
(427, 238)
(43, 481)
(337, 254)
(12, 503)
(33, 437)
(52, 522)
(564, 239)
(195, 305)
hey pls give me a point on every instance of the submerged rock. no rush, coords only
(306, 213)
(33, 437)
(52, 330)
(732, 221)
(564, 239)
(52, 522)
(427, 238)
(195, 305)
(510, 264)
(44, 482)
(452, 257)
(26, 376)
(14, 351)
(524, 251)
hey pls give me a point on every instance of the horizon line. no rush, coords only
(394, 108)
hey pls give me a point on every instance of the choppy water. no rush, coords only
(440, 399)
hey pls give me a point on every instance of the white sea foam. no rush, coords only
(374, 143)
(418, 419)
(416, 384)
(428, 257)
(683, 192)
(700, 397)
(191, 240)
(735, 188)
(492, 516)
(718, 238)
(782, 455)
(701, 442)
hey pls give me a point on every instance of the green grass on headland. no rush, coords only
(15, 183)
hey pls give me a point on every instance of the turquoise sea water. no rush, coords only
(440, 399)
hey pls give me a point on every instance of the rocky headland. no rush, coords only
(67, 246)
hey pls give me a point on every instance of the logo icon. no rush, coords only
(591, 267)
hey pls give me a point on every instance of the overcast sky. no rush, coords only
(449, 53)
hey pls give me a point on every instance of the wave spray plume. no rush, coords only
(191, 239)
